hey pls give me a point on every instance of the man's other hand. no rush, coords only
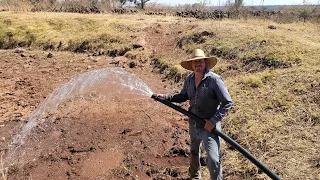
(209, 126)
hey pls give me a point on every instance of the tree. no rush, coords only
(205, 2)
(138, 3)
(238, 3)
(304, 13)
(234, 7)
(141, 3)
(122, 2)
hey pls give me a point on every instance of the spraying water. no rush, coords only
(108, 82)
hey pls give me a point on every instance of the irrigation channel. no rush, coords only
(103, 84)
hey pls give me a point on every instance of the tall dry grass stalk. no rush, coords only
(2, 169)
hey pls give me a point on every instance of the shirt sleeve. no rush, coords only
(180, 97)
(224, 98)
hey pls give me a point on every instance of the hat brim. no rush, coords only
(210, 62)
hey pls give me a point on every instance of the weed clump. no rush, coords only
(252, 81)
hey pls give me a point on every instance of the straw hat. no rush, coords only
(199, 54)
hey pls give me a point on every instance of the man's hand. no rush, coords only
(209, 126)
(158, 95)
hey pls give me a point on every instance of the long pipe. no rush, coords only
(234, 144)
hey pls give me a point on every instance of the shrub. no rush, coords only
(251, 81)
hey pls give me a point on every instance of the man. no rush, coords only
(210, 100)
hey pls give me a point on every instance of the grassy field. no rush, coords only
(273, 74)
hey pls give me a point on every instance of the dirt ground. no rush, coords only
(87, 138)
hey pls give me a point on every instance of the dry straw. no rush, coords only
(2, 169)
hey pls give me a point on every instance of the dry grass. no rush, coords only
(41, 30)
(2, 170)
(244, 39)
(277, 120)
(276, 108)
(252, 38)
(72, 32)
(273, 76)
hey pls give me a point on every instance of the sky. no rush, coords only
(246, 2)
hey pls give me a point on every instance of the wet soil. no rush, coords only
(114, 138)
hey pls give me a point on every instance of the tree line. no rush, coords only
(107, 4)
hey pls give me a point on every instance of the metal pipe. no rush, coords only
(233, 143)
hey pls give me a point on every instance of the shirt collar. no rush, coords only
(206, 74)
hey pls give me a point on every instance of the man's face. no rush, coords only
(198, 65)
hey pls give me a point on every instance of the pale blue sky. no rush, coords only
(247, 2)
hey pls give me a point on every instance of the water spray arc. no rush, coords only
(234, 144)
(102, 84)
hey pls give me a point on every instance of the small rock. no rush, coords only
(272, 27)
(34, 56)
(114, 62)
(139, 44)
(45, 71)
(121, 59)
(50, 55)
(89, 67)
(132, 64)
(206, 33)
(56, 134)
(18, 51)
(22, 55)
(101, 52)
(263, 42)
(3, 138)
